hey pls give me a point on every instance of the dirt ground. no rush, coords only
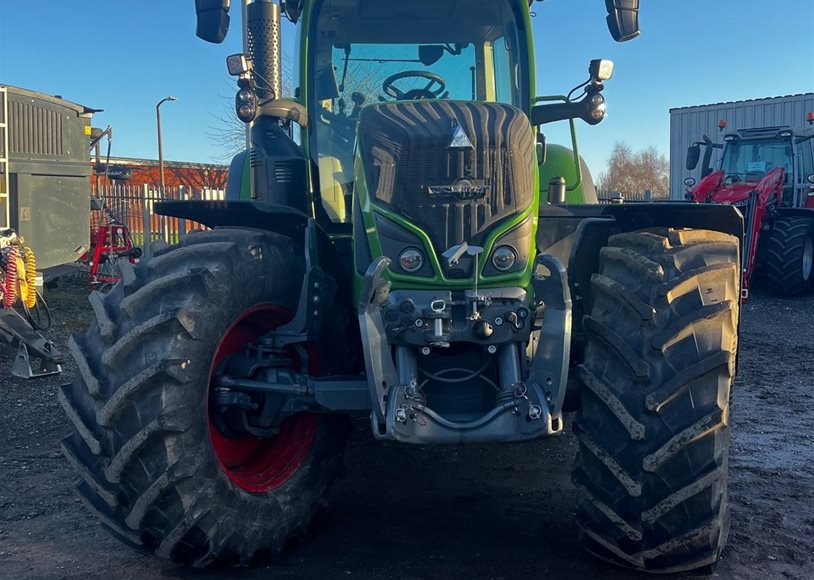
(405, 512)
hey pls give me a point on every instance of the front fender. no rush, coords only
(279, 219)
(240, 214)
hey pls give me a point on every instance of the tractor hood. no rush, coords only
(734, 193)
(456, 171)
(715, 188)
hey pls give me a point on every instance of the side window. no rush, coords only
(806, 152)
(506, 90)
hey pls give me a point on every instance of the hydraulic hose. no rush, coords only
(10, 288)
(439, 376)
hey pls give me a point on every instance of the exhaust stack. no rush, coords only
(263, 45)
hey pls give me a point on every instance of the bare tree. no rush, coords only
(632, 172)
(227, 132)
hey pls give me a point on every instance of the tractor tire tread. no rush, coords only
(101, 489)
(122, 397)
(83, 366)
(784, 255)
(74, 413)
(642, 502)
(140, 443)
(103, 318)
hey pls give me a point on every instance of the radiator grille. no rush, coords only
(34, 130)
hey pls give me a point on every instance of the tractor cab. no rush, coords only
(752, 158)
(367, 54)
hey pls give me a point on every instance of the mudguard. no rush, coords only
(279, 219)
(246, 214)
(575, 234)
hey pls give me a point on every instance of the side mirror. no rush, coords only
(292, 9)
(693, 155)
(429, 54)
(212, 20)
(623, 19)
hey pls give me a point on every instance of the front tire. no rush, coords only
(790, 256)
(153, 466)
(653, 428)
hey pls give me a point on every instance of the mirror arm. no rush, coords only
(285, 109)
(542, 114)
(574, 144)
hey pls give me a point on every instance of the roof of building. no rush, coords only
(690, 107)
(54, 99)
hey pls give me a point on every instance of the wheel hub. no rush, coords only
(257, 464)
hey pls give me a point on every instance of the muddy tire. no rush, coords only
(653, 427)
(153, 467)
(790, 256)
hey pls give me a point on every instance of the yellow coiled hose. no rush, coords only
(29, 294)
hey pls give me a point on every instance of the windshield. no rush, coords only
(751, 160)
(363, 52)
(362, 69)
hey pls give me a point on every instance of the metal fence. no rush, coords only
(133, 206)
(620, 197)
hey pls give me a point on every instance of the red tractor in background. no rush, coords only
(768, 173)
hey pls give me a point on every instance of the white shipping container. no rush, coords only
(689, 124)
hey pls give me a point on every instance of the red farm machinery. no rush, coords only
(768, 173)
(110, 238)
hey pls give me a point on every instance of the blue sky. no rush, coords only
(124, 56)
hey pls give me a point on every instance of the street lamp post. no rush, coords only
(158, 125)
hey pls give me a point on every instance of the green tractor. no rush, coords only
(388, 256)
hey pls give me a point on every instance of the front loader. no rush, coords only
(388, 253)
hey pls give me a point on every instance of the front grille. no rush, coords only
(453, 194)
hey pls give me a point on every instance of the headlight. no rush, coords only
(504, 258)
(411, 260)
(597, 103)
(246, 105)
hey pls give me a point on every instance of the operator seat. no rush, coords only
(332, 188)
(334, 181)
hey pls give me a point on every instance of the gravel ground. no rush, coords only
(405, 512)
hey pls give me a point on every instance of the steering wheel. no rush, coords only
(428, 92)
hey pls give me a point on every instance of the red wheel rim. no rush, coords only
(254, 464)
